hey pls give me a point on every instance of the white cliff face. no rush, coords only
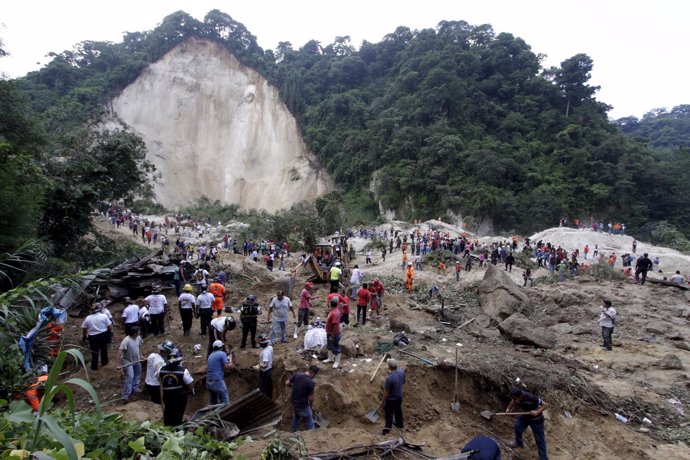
(214, 127)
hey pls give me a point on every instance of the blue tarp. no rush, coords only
(58, 315)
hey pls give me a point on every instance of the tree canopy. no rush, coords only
(445, 121)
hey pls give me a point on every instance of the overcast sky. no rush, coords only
(639, 47)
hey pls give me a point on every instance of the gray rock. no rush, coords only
(562, 329)
(682, 345)
(499, 296)
(670, 361)
(520, 330)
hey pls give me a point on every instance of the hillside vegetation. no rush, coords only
(427, 123)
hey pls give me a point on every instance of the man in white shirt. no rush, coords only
(97, 328)
(217, 330)
(187, 304)
(154, 362)
(157, 303)
(266, 366)
(607, 320)
(204, 301)
(678, 278)
(355, 281)
(130, 315)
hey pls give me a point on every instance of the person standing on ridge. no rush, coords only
(642, 266)
(607, 321)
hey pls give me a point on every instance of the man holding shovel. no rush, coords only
(527, 402)
(393, 396)
(129, 357)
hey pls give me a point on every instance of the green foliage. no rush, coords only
(666, 234)
(205, 210)
(661, 128)
(110, 437)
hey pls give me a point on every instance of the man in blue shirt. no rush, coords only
(302, 397)
(393, 396)
(218, 362)
(523, 401)
(482, 448)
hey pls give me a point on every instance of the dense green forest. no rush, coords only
(451, 120)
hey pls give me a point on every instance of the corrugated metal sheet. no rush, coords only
(251, 412)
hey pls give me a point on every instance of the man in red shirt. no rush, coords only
(363, 299)
(304, 306)
(333, 334)
(379, 288)
(343, 304)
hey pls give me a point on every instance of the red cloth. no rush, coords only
(343, 301)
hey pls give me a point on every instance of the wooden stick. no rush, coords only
(466, 323)
(385, 355)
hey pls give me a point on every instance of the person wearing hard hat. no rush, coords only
(249, 312)
(175, 383)
(334, 276)
(187, 305)
(154, 362)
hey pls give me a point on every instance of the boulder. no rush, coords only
(520, 330)
(499, 295)
(670, 361)
(682, 345)
(562, 329)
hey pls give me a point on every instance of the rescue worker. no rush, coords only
(249, 312)
(176, 383)
(522, 401)
(218, 363)
(97, 329)
(642, 266)
(218, 291)
(266, 366)
(35, 392)
(187, 305)
(157, 304)
(409, 277)
(154, 362)
(130, 315)
(393, 396)
(304, 306)
(334, 276)
(482, 448)
(217, 330)
(333, 334)
(204, 301)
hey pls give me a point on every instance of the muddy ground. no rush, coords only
(637, 379)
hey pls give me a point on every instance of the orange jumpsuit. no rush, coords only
(409, 278)
(218, 291)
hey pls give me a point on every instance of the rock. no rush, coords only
(568, 298)
(656, 328)
(485, 333)
(195, 83)
(499, 296)
(485, 321)
(670, 361)
(397, 326)
(683, 345)
(680, 311)
(521, 330)
(562, 329)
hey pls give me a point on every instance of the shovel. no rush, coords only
(455, 405)
(487, 414)
(320, 420)
(373, 415)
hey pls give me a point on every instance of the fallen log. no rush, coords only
(668, 283)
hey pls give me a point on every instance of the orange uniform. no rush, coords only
(218, 291)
